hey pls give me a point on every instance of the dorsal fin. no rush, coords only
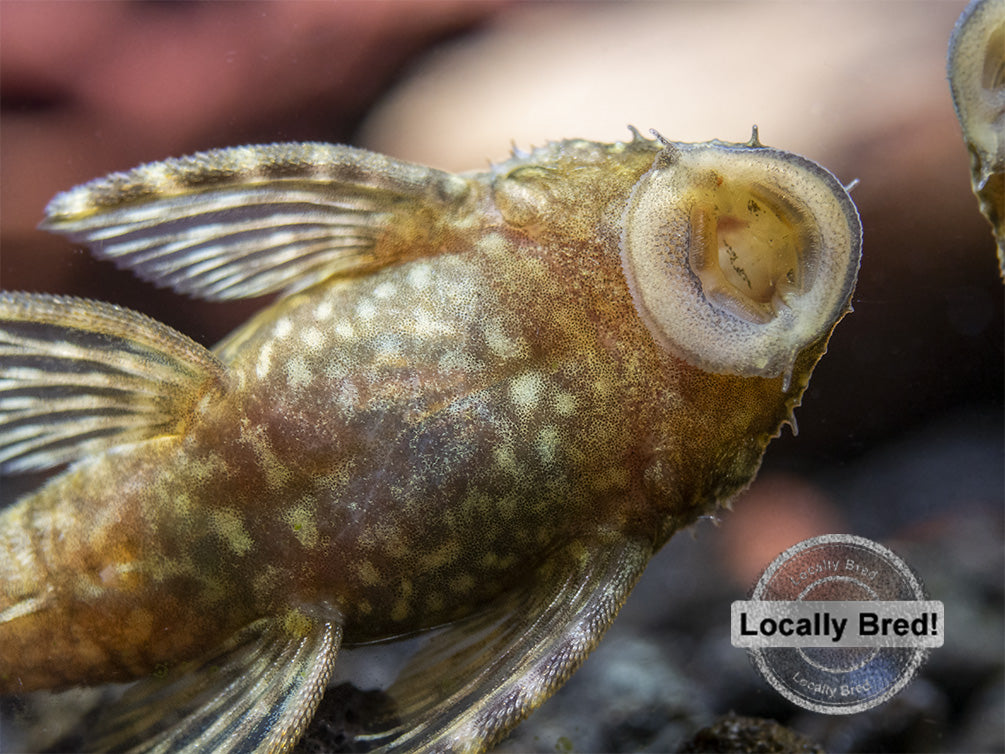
(78, 376)
(245, 221)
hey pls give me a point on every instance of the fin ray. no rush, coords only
(266, 218)
(494, 669)
(78, 376)
(257, 692)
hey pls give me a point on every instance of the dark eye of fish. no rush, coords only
(480, 403)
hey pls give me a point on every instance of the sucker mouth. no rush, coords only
(739, 258)
(749, 256)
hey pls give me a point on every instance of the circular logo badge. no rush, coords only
(838, 624)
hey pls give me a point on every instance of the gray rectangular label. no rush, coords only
(768, 623)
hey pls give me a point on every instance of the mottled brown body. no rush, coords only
(397, 447)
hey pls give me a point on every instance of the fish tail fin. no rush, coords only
(79, 376)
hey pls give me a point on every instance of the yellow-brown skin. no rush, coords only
(401, 443)
(976, 67)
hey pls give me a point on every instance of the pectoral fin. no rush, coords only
(255, 694)
(79, 376)
(241, 222)
(479, 678)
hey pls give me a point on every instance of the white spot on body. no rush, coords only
(366, 310)
(494, 245)
(505, 458)
(501, 344)
(114, 571)
(324, 310)
(301, 522)
(384, 290)
(313, 338)
(229, 526)
(203, 468)
(400, 610)
(264, 362)
(439, 557)
(425, 325)
(368, 575)
(525, 390)
(297, 373)
(204, 404)
(420, 276)
(283, 327)
(565, 404)
(344, 330)
(276, 472)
